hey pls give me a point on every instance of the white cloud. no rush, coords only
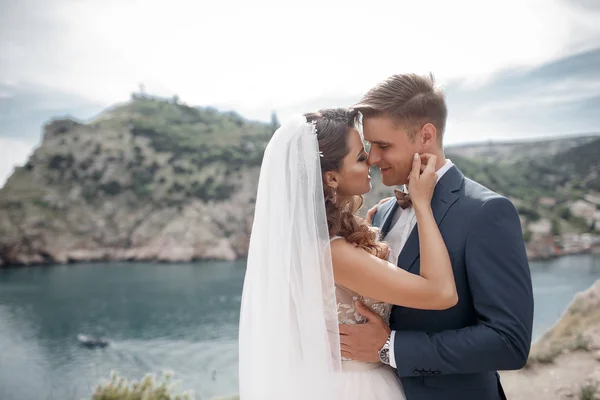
(265, 55)
(567, 91)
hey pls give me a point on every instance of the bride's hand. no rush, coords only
(422, 184)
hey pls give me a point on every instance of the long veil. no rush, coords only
(288, 337)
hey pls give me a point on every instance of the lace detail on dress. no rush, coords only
(347, 313)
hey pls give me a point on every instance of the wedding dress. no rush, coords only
(289, 344)
(361, 380)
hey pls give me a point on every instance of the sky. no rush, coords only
(511, 69)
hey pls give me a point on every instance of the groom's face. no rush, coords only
(391, 149)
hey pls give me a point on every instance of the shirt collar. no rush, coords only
(440, 172)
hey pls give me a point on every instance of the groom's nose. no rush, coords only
(373, 158)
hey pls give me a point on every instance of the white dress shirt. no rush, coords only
(403, 222)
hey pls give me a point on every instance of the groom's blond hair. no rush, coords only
(410, 99)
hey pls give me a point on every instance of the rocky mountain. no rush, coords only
(146, 180)
(154, 179)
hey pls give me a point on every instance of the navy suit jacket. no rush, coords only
(455, 354)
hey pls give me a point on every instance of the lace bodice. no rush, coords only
(346, 311)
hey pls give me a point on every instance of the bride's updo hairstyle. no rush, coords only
(333, 128)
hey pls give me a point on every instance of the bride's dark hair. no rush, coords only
(333, 128)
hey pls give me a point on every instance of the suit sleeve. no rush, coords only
(500, 282)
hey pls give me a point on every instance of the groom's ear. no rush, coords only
(428, 136)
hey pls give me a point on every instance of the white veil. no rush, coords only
(288, 337)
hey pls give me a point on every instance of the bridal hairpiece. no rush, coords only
(314, 124)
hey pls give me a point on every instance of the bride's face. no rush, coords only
(353, 177)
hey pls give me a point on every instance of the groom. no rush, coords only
(452, 354)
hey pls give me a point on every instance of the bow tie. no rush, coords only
(402, 198)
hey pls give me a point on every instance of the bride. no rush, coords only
(311, 257)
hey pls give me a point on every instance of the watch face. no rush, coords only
(384, 356)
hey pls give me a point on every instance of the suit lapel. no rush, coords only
(444, 196)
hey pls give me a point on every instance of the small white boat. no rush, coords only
(92, 341)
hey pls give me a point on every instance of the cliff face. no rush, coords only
(578, 328)
(149, 180)
(158, 180)
(565, 361)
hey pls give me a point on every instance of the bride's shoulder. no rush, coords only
(340, 244)
(348, 257)
(339, 240)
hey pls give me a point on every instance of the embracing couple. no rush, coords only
(426, 298)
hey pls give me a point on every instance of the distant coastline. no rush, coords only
(551, 247)
(157, 180)
(531, 257)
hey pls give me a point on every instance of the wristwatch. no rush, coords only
(384, 352)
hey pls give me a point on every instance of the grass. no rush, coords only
(545, 356)
(589, 391)
(118, 388)
(580, 342)
(548, 353)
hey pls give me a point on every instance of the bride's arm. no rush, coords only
(433, 289)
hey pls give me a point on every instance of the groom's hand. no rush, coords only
(362, 342)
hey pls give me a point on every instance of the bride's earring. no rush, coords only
(334, 199)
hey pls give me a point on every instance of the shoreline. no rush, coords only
(564, 254)
(534, 258)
